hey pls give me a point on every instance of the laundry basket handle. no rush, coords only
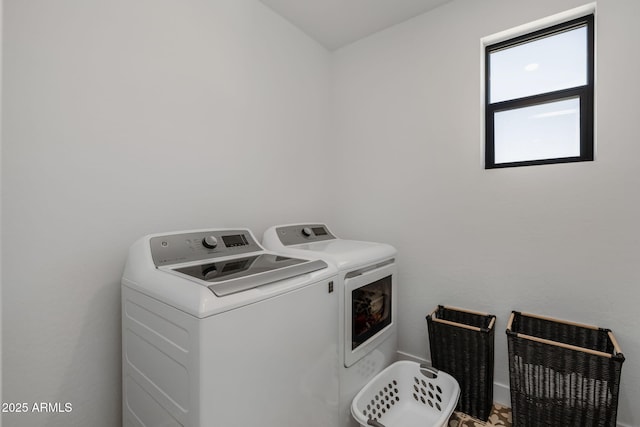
(431, 372)
(375, 423)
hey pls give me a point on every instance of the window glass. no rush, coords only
(539, 97)
(543, 65)
(545, 131)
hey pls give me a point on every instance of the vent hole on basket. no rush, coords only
(422, 399)
(423, 391)
(431, 386)
(415, 396)
(424, 384)
(439, 389)
(369, 406)
(381, 393)
(395, 390)
(415, 387)
(377, 397)
(397, 399)
(416, 380)
(430, 403)
(438, 406)
(439, 398)
(384, 411)
(394, 382)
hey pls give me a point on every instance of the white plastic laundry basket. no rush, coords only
(407, 394)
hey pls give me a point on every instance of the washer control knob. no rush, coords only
(306, 232)
(210, 242)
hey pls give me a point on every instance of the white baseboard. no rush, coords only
(500, 391)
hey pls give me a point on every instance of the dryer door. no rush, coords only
(370, 309)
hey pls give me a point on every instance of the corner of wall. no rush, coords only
(1, 19)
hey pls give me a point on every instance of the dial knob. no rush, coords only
(210, 242)
(306, 232)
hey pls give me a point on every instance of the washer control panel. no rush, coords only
(196, 246)
(303, 233)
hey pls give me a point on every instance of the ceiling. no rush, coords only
(335, 23)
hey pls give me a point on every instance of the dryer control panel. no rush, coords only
(303, 233)
(196, 246)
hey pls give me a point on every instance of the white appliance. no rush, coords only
(367, 289)
(218, 332)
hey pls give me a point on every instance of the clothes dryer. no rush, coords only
(367, 289)
(217, 331)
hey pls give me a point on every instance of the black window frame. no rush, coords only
(584, 93)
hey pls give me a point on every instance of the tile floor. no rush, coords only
(500, 416)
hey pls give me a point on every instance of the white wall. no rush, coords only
(561, 240)
(123, 118)
(1, 44)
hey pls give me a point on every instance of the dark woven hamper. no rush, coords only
(462, 344)
(562, 373)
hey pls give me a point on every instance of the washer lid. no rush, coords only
(153, 258)
(239, 274)
(224, 260)
(347, 254)
(315, 240)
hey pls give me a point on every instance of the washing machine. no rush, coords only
(367, 289)
(218, 331)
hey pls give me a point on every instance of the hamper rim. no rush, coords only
(617, 351)
(433, 316)
(464, 310)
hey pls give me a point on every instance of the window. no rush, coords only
(539, 97)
